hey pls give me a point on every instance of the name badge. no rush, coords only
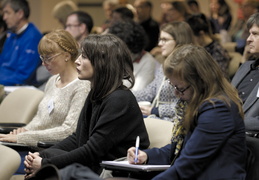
(50, 106)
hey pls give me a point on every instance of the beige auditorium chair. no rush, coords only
(159, 132)
(9, 162)
(18, 108)
(234, 64)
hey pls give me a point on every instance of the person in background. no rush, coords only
(246, 79)
(79, 24)
(121, 13)
(193, 6)
(62, 9)
(144, 63)
(159, 92)
(202, 32)
(19, 58)
(110, 120)
(220, 16)
(175, 11)
(144, 18)
(64, 97)
(209, 142)
(108, 7)
(178, 11)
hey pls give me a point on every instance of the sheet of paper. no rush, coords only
(134, 166)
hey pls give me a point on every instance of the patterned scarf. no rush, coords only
(178, 131)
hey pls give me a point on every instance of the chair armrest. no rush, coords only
(6, 128)
(46, 144)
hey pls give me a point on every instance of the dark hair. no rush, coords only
(84, 18)
(17, 5)
(181, 6)
(253, 20)
(125, 12)
(148, 4)
(224, 8)
(131, 33)
(111, 62)
(191, 2)
(199, 23)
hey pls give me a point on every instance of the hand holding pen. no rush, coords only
(140, 156)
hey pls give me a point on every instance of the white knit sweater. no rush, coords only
(57, 114)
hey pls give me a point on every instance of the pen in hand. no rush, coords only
(136, 151)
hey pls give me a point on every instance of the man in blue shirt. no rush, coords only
(19, 58)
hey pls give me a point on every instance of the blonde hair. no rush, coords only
(194, 65)
(58, 41)
(63, 9)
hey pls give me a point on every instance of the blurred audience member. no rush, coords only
(178, 11)
(143, 62)
(79, 24)
(62, 9)
(108, 7)
(220, 16)
(144, 18)
(121, 13)
(202, 32)
(19, 58)
(194, 6)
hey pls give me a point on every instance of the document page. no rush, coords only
(134, 166)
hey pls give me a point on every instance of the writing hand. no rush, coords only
(142, 156)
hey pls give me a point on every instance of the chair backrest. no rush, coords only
(10, 161)
(252, 158)
(2, 93)
(159, 132)
(20, 105)
(236, 59)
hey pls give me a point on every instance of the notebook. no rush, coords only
(124, 165)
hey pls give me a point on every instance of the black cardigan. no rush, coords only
(105, 131)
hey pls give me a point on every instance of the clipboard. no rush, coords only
(125, 166)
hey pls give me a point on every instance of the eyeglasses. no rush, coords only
(48, 59)
(164, 40)
(179, 90)
(72, 25)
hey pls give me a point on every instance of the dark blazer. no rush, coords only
(214, 150)
(251, 105)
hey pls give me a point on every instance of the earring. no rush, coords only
(66, 60)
